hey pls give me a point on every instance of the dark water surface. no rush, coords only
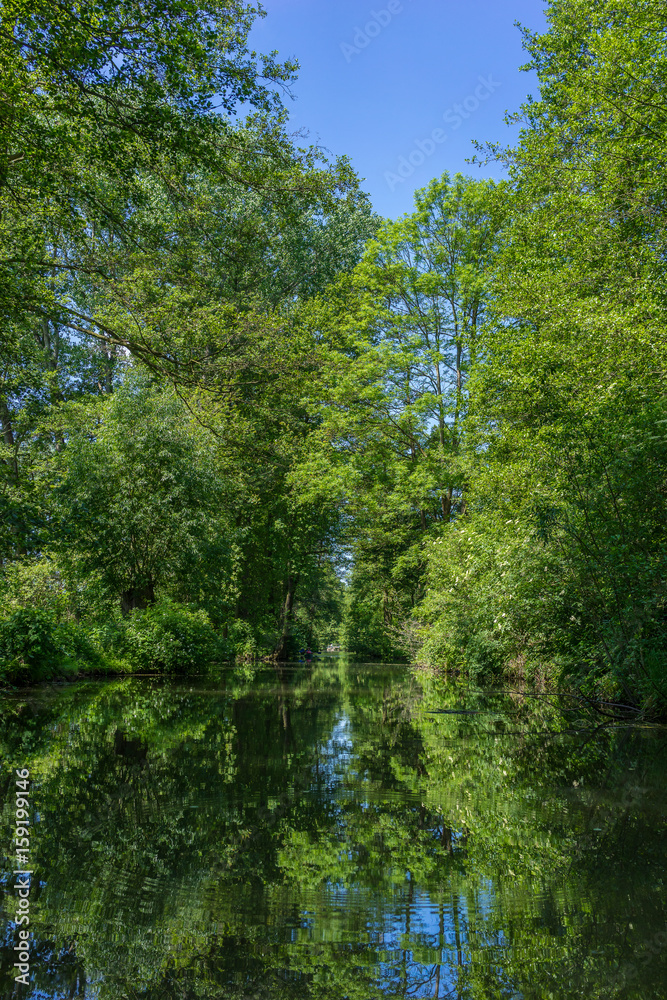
(335, 830)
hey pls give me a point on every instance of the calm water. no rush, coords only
(335, 831)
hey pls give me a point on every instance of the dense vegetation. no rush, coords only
(241, 413)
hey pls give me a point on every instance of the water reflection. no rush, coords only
(337, 830)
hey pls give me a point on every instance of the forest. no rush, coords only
(243, 414)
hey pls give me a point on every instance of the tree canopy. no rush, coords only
(228, 386)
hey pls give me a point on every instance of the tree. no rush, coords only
(136, 499)
(430, 272)
(567, 405)
(93, 97)
(116, 121)
(398, 339)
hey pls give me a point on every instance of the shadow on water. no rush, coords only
(335, 830)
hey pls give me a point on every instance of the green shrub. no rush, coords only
(173, 638)
(243, 640)
(36, 645)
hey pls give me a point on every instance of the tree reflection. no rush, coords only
(335, 831)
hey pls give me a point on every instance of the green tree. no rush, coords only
(136, 498)
(398, 339)
(93, 98)
(567, 429)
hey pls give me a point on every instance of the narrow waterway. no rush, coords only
(335, 830)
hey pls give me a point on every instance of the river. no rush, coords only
(335, 830)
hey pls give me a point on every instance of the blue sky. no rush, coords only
(403, 86)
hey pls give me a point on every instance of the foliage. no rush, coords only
(96, 100)
(134, 496)
(171, 638)
(562, 560)
(398, 338)
(144, 230)
(36, 583)
(36, 645)
(225, 383)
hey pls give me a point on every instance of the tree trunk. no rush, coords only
(280, 651)
(8, 438)
(137, 597)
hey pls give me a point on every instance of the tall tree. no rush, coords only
(399, 338)
(564, 557)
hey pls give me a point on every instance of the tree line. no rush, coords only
(241, 413)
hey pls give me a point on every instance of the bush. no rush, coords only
(243, 639)
(173, 638)
(496, 595)
(35, 645)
